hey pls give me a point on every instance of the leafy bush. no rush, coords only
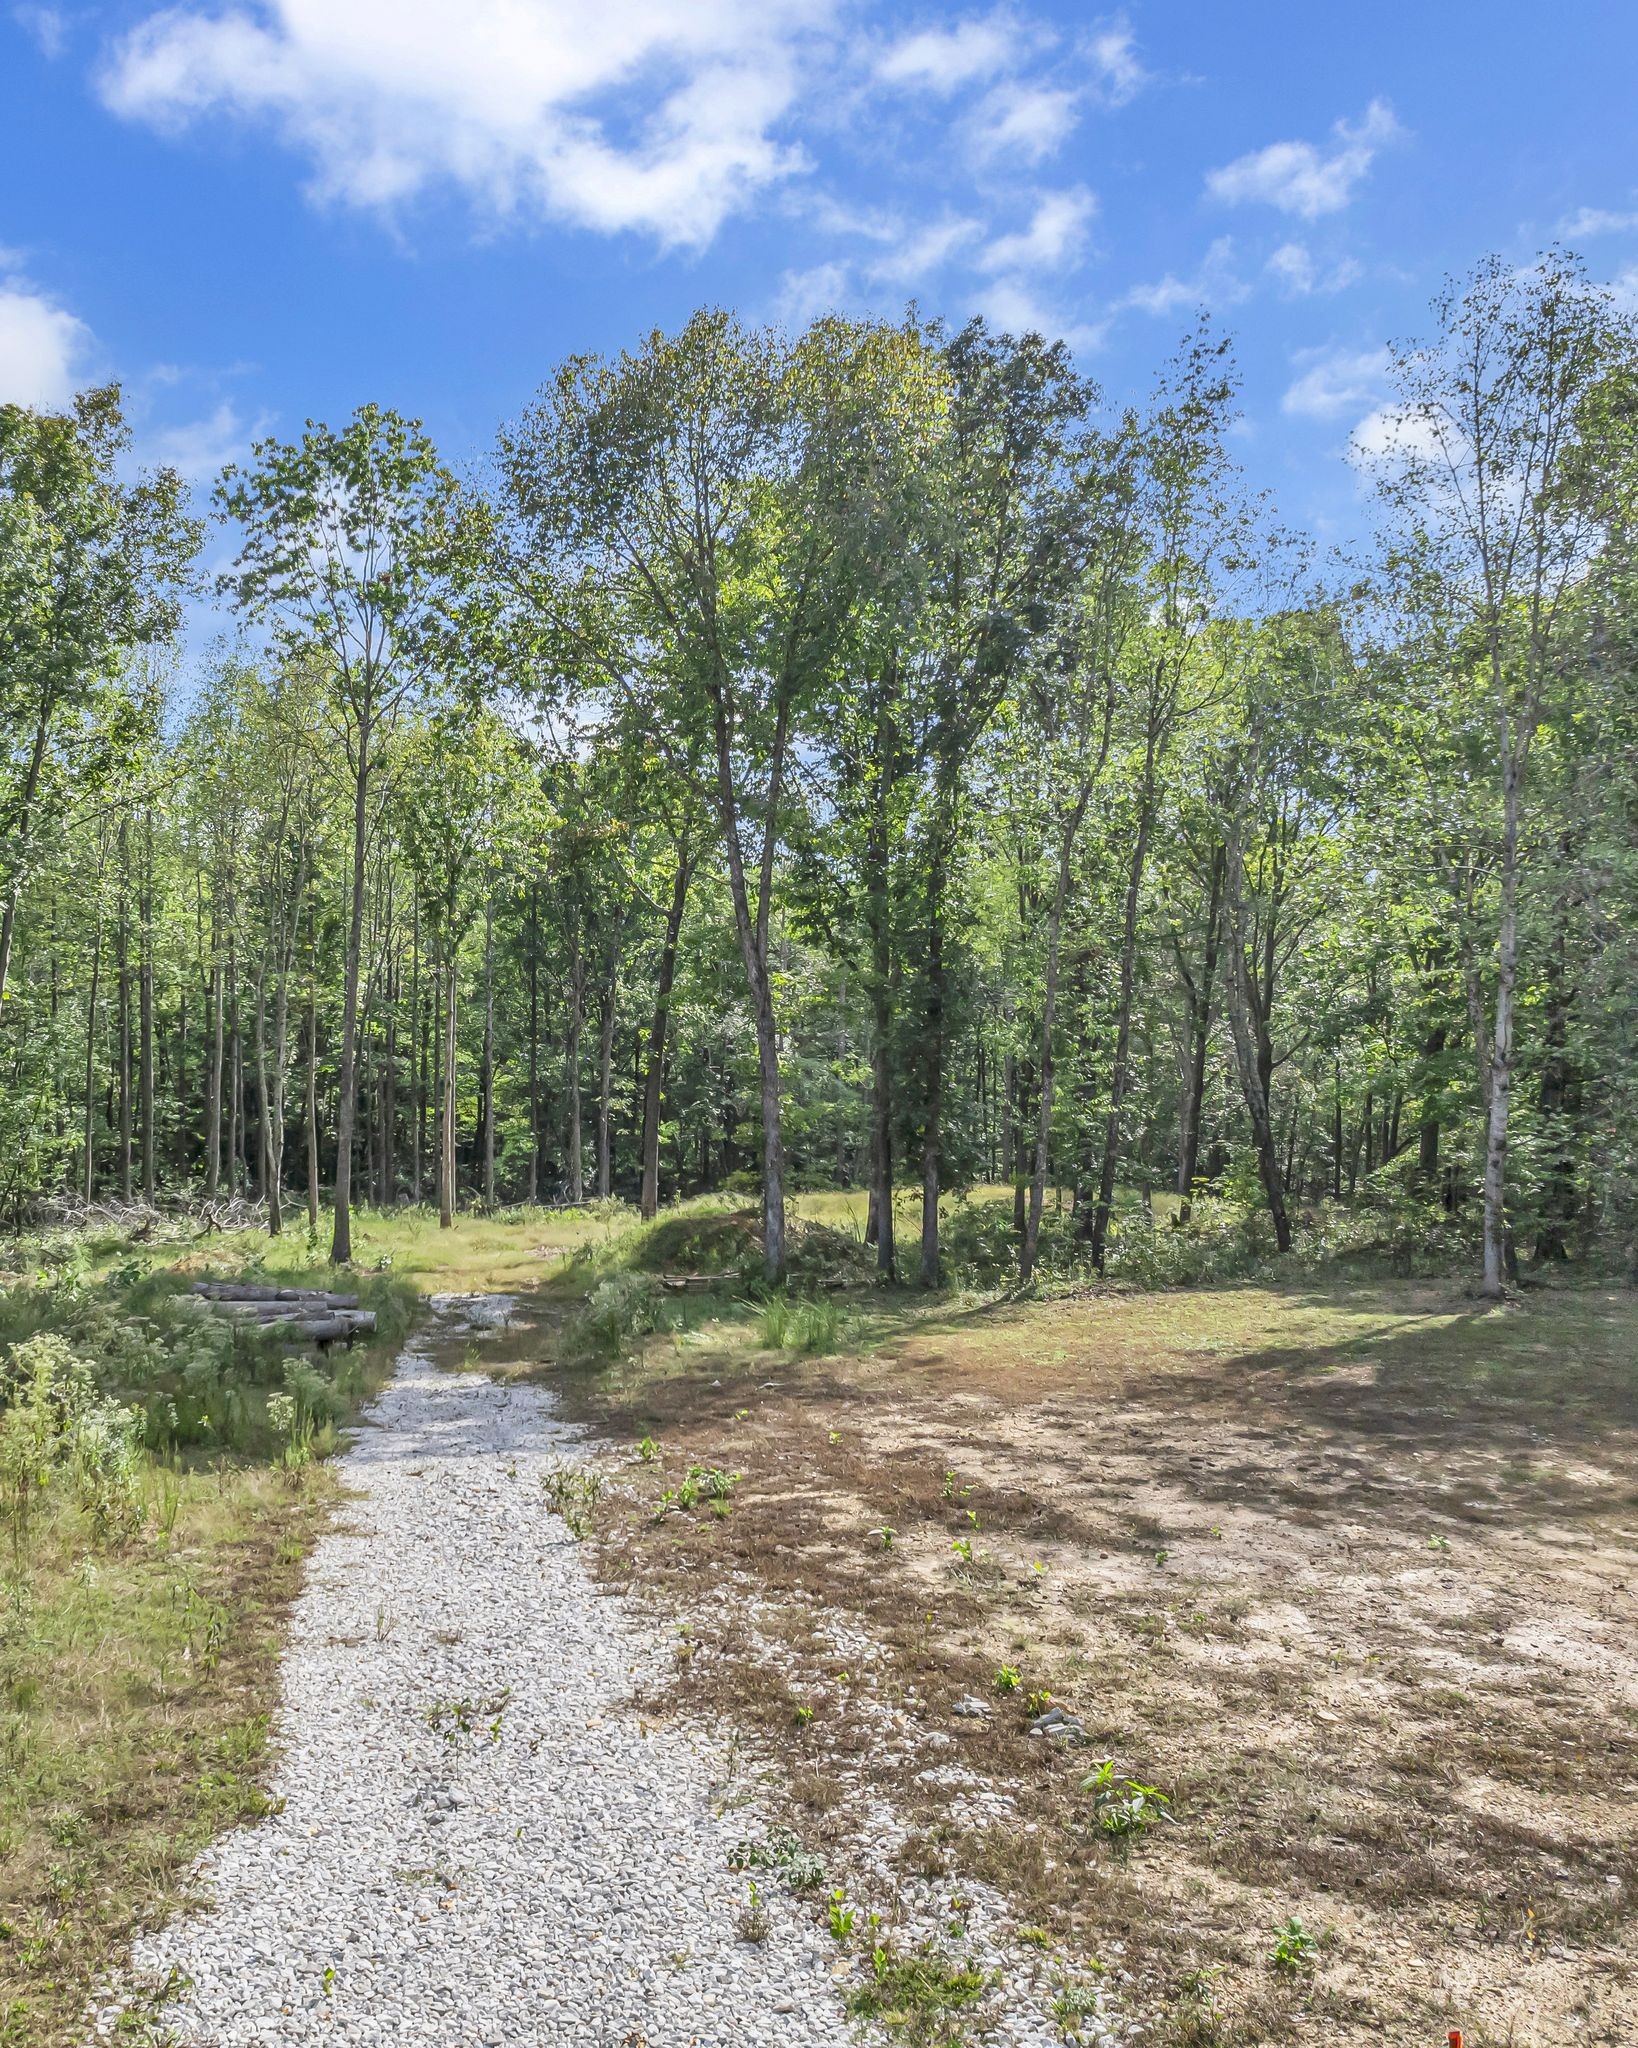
(626, 1305)
(55, 1424)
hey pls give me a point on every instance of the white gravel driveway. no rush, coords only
(480, 1842)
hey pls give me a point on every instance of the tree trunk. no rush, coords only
(1559, 1100)
(1099, 1235)
(213, 1086)
(1251, 1046)
(25, 816)
(654, 1074)
(1028, 1250)
(1199, 1045)
(532, 1187)
(264, 1106)
(312, 1110)
(1497, 1251)
(446, 1120)
(341, 1242)
(571, 1071)
(932, 1145)
(605, 1080)
(488, 1054)
(236, 1076)
(145, 1003)
(89, 1177)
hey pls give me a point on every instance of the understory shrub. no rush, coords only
(56, 1426)
(625, 1305)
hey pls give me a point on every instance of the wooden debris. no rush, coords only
(690, 1283)
(314, 1314)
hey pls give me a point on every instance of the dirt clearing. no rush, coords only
(1344, 1573)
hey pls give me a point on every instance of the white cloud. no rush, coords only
(1011, 305)
(658, 116)
(1294, 270)
(1053, 240)
(42, 347)
(1336, 380)
(919, 253)
(1029, 122)
(1588, 221)
(1215, 283)
(940, 60)
(1392, 433)
(1114, 62)
(200, 449)
(804, 294)
(47, 27)
(1301, 178)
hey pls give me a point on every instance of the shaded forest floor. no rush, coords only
(1345, 1570)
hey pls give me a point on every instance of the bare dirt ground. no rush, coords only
(1346, 1572)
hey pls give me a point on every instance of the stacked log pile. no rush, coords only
(313, 1314)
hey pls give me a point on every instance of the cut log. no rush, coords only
(252, 1291)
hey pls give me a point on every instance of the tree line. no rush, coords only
(861, 756)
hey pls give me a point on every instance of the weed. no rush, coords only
(455, 1718)
(753, 1924)
(798, 1869)
(577, 1485)
(1294, 1948)
(840, 1915)
(648, 1450)
(1037, 1703)
(793, 1324)
(1122, 1807)
(912, 1996)
(1007, 1678)
(1076, 2001)
(803, 1716)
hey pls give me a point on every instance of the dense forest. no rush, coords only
(859, 757)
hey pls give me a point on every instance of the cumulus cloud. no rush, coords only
(1305, 178)
(201, 449)
(1112, 49)
(1294, 269)
(804, 294)
(1020, 120)
(1013, 305)
(1053, 239)
(941, 60)
(43, 348)
(1215, 282)
(919, 252)
(1588, 221)
(1394, 434)
(1336, 380)
(660, 117)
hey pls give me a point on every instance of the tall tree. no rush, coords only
(352, 542)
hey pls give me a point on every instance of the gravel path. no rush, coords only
(481, 1842)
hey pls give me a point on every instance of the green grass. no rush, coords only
(137, 1663)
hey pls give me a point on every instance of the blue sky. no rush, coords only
(252, 213)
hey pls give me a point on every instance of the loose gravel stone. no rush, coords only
(481, 1840)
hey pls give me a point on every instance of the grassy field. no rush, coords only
(1340, 1567)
